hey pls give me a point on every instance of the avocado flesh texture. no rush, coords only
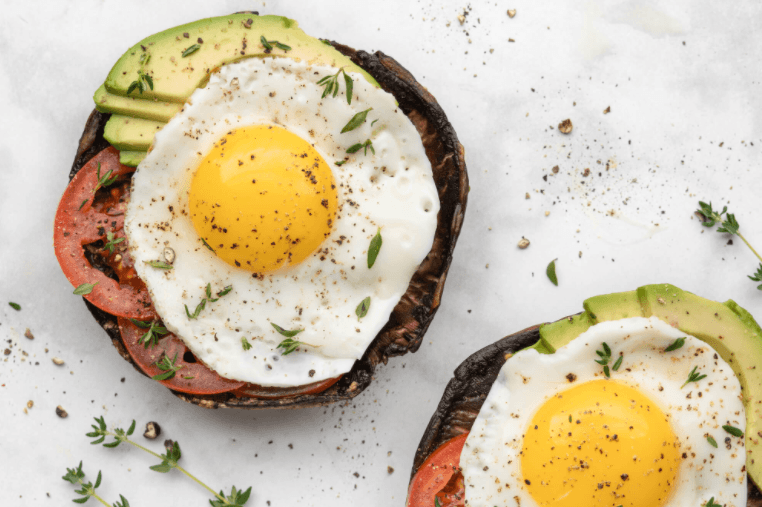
(131, 158)
(156, 110)
(727, 328)
(131, 134)
(225, 39)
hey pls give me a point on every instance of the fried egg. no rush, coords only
(268, 220)
(555, 431)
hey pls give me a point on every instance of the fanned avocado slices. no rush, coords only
(155, 77)
(726, 327)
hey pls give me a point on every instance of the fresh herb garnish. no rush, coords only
(331, 84)
(550, 271)
(159, 264)
(693, 377)
(362, 309)
(192, 49)
(675, 345)
(618, 363)
(207, 244)
(209, 298)
(197, 311)
(224, 291)
(356, 120)
(374, 248)
(340, 163)
(76, 476)
(169, 460)
(15, 306)
(729, 225)
(144, 80)
(268, 44)
(82, 205)
(711, 441)
(85, 289)
(711, 503)
(436, 502)
(111, 242)
(151, 337)
(359, 146)
(284, 332)
(605, 357)
(169, 368)
(245, 343)
(105, 180)
(189, 377)
(288, 345)
(733, 430)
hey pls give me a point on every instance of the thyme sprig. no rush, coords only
(151, 337)
(105, 180)
(331, 84)
(200, 307)
(169, 461)
(694, 376)
(77, 476)
(111, 242)
(605, 358)
(168, 366)
(143, 81)
(709, 217)
(288, 345)
(359, 146)
(268, 44)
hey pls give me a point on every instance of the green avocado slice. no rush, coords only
(131, 134)
(207, 45)
(727, 328)
(131, 158)
(156, 110)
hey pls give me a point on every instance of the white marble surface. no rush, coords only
(682, 79)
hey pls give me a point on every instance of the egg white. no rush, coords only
(392, 189)
(490, 459)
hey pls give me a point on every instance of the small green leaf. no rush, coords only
(350, 87)
(678, 343)
(148, 80)
(132, 428)
(264, 42)
(245, 343)
(711, 441)
(711, 503)
(144, 325)
(282, 46)
(617, 364)
(84, 289)
(730, 225)
(288, 345)
(606, 371)
(551, 272)
(733, 430)
(191, 50)
(82, 205)
(374, 248)
(225, 291)
(162, 468)
(355, 148)
(356, 120)
(284, 332)
(207, 244)
(132, 87)
(436, 502)
(362, 309)
(15, 306)
(340, 163)
(158, 264)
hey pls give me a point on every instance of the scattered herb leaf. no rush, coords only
(678, 343)
(374, 248)
(605, 358)
(288, 345)
(151, 337)
(711, 503)
(284, 332)
(169, 368)
(82, 205)
(159, 264)
(357, 147)
(551, 272)
(85, 289)
(197, 311)
(693, 377)
(15, 306)
(356, 120)
(618, 363)
(207, 244)
(342, 162)
(733, 430)
(245, 343)
(189, 51)
(331, 84)
(105, 180)
(268, 44)
(111, 241)
(362, 309)
(711, 441)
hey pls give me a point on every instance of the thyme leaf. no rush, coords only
(356, 120)
(374, 248)
(362, 309)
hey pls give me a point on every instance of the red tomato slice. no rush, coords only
(439, 477)
(79, 223)
(193, 377)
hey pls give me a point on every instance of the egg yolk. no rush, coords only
(263, 198)
(601, 443)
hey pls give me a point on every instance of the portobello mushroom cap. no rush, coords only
(465, 394)
(411, 317)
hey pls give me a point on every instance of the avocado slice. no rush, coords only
(734, 334)
(131, 134)
(157, 110)
(622, 305)
(220, 41)
(557, 334)
(131, 158)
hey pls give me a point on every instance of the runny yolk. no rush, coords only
(618, 449)
(263, 198)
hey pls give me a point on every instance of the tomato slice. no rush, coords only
(80, 222)
(193, 377)
(439, 477)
